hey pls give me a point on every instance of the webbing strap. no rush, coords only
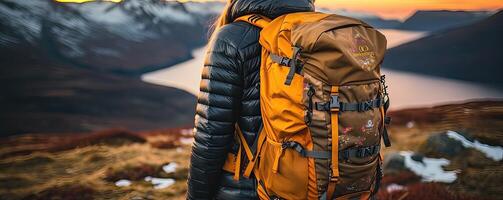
(293, 66)
(256, 20)
(287, 62)
(294, 63)
(237, 166)
(257, 146)
(356, 152)
(334, 176)
(305, 153)
(329, 194)
(279, 153)
(359, 152)
(335, 135)
(248, 152)
(281, 60)
(385, 121)
(344, 107)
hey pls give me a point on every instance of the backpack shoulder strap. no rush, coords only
(256, 20)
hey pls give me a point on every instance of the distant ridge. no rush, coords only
(435, 20)
(40, 95)
(471, 53)
(369, 18)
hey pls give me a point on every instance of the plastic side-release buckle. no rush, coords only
(334, 103)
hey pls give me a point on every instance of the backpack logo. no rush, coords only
(368, 128)
(363, 52)
(370, 124)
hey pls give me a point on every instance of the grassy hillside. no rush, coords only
(40, 95)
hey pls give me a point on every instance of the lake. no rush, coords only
(406, 89)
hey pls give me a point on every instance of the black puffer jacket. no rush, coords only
(230, 94)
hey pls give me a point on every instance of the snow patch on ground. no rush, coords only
(186, 141)
(493, 152)
(410, 124)
(430, 169)
(170, 168)
(160, 183)
(395, 187)
(187, 132)
(123, 183)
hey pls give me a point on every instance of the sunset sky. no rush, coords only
(396, 8)
(403, 8)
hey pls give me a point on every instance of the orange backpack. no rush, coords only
(323, 103)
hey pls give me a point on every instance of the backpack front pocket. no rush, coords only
(284, 171)
(356, 178)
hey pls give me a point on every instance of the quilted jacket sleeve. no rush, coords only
(216, 114)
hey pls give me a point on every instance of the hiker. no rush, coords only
(292, 105)
(229, 94)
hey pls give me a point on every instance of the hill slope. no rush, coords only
(434, 20)
(468, 53)
(39, 95)
(369, 18)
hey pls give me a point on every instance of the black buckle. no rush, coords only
(285, 145)
(322, 106)
(327, 106)
(288, 144)
(334, 102)
(285, 61)
(364, 106)
(367, 151)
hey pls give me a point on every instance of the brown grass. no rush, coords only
(95, 161)
(133, 173)
(54, 166)
(27, 144)
(422, 191)
(67, 192)
(402, 178)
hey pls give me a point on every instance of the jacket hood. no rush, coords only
(269, 8)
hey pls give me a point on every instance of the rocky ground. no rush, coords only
(424, 131)
(118, 164)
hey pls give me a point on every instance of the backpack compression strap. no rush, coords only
(250, 152)
(256, 20)
(334, 171)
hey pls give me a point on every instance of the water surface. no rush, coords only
(406, 89)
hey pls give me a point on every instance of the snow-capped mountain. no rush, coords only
(129, 37)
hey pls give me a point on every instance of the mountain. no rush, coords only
(468, 53)
(130, 37)
(40, 95)
(434, 20)
(371, 19)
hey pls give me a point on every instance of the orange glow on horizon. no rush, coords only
(400, 9)
(403, 8)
